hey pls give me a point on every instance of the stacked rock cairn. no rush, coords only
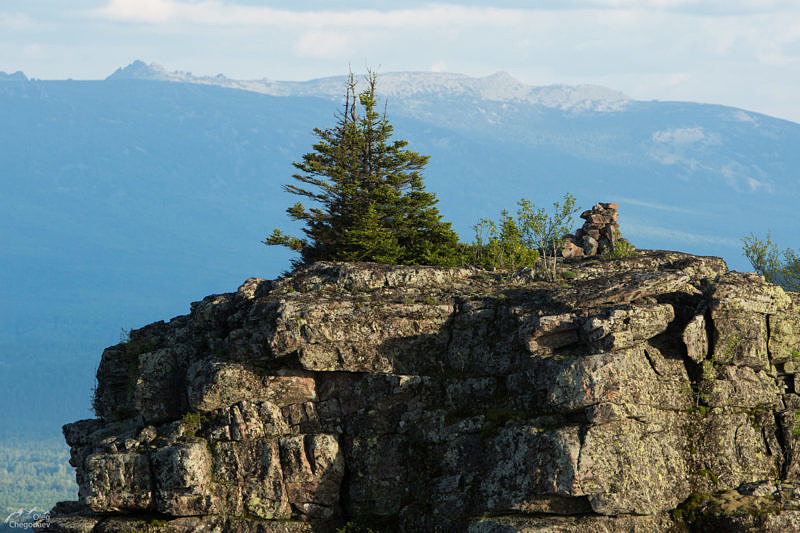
(599, 233)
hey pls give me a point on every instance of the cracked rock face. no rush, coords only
(646, 394)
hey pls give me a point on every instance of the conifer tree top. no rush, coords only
(370, 202)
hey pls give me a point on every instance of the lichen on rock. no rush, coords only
(649, 393)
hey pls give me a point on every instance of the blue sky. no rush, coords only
(744, 53)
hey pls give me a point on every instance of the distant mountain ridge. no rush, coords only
(16, 76)
(497, 87)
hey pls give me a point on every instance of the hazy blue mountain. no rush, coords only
(127, 198)
(695, 160)
(410, 86)
(16, 76)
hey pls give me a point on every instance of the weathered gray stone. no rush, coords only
(625, 326)
(589, 524)
(744, 387)
(117, 482)
(248, 478)
(539, 466)
(740, 338)
(361, 336)
(747, 292)
(784, 329)
(183, 480)
(695, 337)
(630, 466)
(158, 391)
(215, 384)
(590, 245)
(453, 399)
(739, 446)
(313, 468)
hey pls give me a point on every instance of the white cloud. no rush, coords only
(744, 53)
(623, 28)
(609, 12)
(658, 206)
(439, 66)
(755, 184)
(150, 11)
(671, 235)
(676, 78)
(675, 159)
(15, 21)
(697, 7)
(323, 44)
(211, 12)
(34, 51)
(741, 179)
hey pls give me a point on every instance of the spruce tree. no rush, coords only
(371, 203)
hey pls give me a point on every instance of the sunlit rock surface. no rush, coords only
(652, 393)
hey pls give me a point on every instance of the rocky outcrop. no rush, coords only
(646, 394)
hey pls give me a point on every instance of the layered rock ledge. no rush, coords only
(646, 394)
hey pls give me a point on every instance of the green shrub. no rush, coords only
(499, 245)
(192, 423)
(513, 243)
(781, 268)
(620, 250)
(568, 275)
(545, 231)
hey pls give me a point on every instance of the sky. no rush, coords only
(743, 53)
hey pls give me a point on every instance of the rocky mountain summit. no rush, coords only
(497, 87)
(16, 76)
(652, 393)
